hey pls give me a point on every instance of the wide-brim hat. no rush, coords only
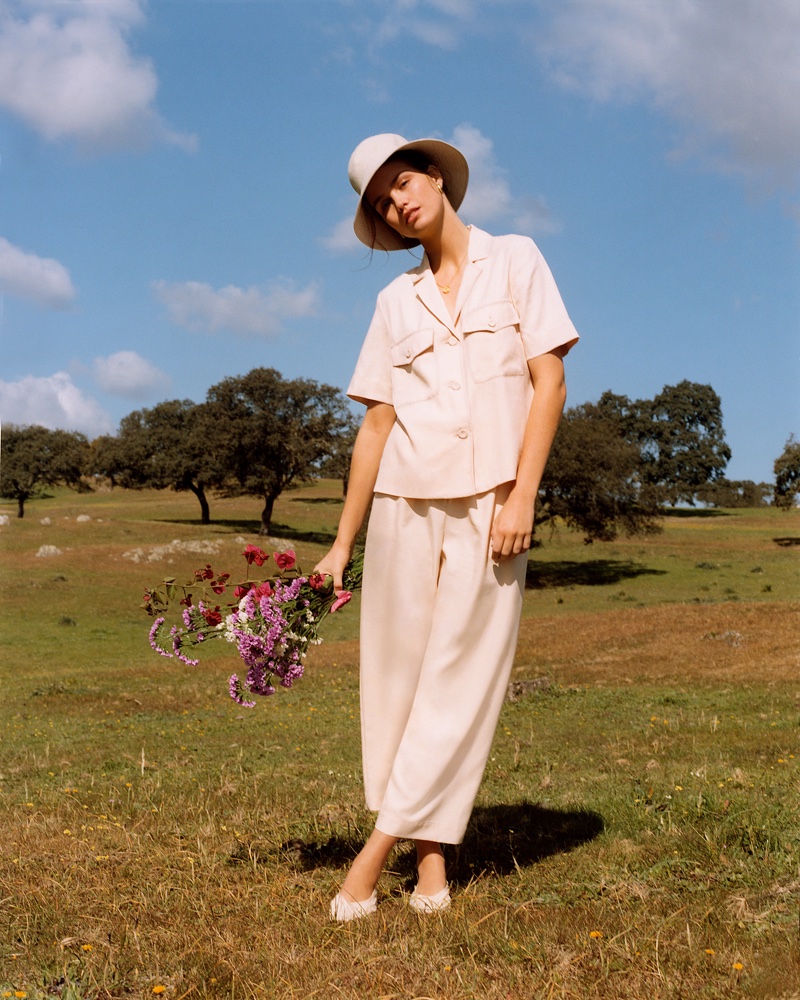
(370, 155)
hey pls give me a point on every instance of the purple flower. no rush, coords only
(154, 638)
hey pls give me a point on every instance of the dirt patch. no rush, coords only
(708, 643)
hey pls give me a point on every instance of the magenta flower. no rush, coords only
(285, 560)
(253, 554)
(341, 599)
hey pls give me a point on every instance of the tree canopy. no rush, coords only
(679, 434)
(593, 478)
(172, 445)
(274, 432)
(787, 475)
(35, 457)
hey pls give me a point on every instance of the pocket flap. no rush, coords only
(412, 346)
(491, 317)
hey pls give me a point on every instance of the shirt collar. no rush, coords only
(478, 249)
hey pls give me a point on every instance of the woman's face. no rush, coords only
(411, 202)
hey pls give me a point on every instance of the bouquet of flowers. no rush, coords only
(272, 622)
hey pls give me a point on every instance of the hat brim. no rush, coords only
(375, 232)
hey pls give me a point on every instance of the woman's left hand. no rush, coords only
(513, 527)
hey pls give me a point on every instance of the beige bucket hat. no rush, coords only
(371, 154)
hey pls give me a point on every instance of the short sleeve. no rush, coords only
(543, 319)
(372, 378)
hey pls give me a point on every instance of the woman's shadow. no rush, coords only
(499, 840)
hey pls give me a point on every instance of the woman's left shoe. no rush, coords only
(344, 910)
(430, 904)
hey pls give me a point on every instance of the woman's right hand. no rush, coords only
(333, 564)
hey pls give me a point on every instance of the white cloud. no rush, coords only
(129, 375)
(40, 279)
(197, 306)
(489, 197)
(728, 72)
(341, 238)
(54, 402)
(413, 18)
(66, 69)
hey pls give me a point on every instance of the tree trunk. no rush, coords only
(266, 515)
(199, 492)
(20, 506)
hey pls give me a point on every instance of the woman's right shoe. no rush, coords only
(430, 904)
(344, 910)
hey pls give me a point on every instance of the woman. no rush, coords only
(462, 376)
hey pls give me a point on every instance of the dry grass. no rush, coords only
(705, 644)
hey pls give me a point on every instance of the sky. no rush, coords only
(175, 209)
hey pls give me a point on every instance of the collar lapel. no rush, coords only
(428, 294)
(478, 252)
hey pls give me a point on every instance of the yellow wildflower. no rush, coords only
(86, 947)
(710, 951)
(738, 966)
(595, 934)
(159, 989)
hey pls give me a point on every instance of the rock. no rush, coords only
(47, 550)
(516, 689)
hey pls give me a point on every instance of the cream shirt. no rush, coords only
(460, 387)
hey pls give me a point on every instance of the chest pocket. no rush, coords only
(414, 368)
(493, 342)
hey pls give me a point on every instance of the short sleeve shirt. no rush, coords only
(461, 388)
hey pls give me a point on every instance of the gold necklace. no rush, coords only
(446, 288)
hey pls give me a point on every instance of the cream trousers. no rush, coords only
(439, 624)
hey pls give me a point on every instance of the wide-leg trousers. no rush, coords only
(439, 625)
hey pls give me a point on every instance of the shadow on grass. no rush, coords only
(252, 527)
(694, 512)
(499, 840)
(787, 542)
(328, 500)
(593, 572)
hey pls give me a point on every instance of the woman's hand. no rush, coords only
(512, 527)
(333, 564)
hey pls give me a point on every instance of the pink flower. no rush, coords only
(205, 574)
(341, 599)
(241, 591)
(263, 590)
(317, 581)
(253, 554)
(285, 560)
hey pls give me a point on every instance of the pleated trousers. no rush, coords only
(439, 625)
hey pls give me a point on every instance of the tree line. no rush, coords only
(614, 467)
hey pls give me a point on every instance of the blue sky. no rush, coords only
(174, 203)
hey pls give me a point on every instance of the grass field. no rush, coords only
(637, 834)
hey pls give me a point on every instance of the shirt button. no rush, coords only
(492, 323)
(408, 352)
(453, 341)
(455, 385)
(462, 433)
